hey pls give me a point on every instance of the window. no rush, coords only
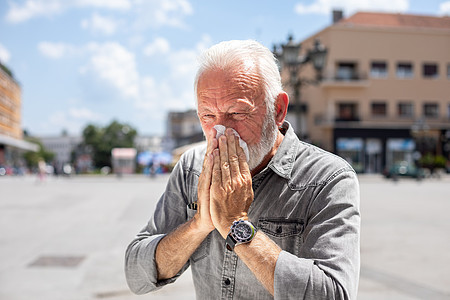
(430, 70)
(379, 109)
(404, 70)
(346, 71)
(405, 110)
(378, 69)
(448, 71)
(347, 112)
(431, 110)
(352, 150)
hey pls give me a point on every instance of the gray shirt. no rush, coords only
(306, 201)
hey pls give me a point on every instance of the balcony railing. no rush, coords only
(345, 79)
(390, 121)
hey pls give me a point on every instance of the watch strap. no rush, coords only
(230, 242)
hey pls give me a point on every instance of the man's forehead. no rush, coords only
(238, 82)
(239, 104)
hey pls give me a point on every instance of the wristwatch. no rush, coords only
(241, 232)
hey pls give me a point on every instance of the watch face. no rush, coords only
(243, 232)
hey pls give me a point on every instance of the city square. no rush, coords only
(65, 237)
(100, 99)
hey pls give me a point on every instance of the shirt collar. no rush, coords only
(283, 161)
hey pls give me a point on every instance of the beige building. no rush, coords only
(11, 137)
(384, 96)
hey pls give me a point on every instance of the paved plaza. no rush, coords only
(65, 238)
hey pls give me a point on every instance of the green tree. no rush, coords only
(101, 141)
(32, 158)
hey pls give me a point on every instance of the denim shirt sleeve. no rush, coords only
(329, 260)
(170, 212)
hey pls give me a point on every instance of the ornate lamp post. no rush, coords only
(290, 59)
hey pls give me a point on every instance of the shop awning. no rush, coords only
(16, 143)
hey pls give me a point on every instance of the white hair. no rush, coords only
(229, 55)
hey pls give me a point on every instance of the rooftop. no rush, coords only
(396, 20)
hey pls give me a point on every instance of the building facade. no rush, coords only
(384, 94)
(62, 146)
(12, 144)
(183, 128)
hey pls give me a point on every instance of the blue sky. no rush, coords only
(92, 61)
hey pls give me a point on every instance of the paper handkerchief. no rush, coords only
(221, 131)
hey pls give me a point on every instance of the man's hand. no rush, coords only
(203, 216)
(231, 190)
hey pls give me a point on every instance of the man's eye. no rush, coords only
(207, 117)
(238, 116)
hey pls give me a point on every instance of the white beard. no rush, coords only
(268, 138)
(269, 133)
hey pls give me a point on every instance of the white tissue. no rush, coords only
(221, 131)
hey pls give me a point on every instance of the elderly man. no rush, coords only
(284, 224)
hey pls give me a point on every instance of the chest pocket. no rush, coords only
(286, 233)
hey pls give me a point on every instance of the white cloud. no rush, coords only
(158, 46)
(5, 56)
(183, 63)
(114, 64)
(176, 91)
(100, 24)
(444, 8)
(33, 8)
(149, 94)
(82, 113)
(38, 8)
(350, 6)
(74, 119)
(156, 13)
(110, 62)
(56, 50)
(107, 4)
(144, 13)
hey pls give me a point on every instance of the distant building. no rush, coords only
(151, 143)
(62, 146)
(183, 128)
(12, 144)
(66, 148)
(123, 160)
(385, 93)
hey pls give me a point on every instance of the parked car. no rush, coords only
(404, 169)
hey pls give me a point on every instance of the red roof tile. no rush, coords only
(396, 20)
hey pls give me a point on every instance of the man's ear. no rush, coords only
(281, 106)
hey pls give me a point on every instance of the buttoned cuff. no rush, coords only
(291, 276)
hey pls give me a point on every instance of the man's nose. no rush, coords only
(225, 121)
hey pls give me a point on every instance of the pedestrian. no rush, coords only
(284, 224)
(42, 170)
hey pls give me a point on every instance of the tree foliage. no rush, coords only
(32, 158)
(100, 141)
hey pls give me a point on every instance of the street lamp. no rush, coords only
(318, 57)
(291, 59)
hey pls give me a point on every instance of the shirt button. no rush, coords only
(227, 281)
